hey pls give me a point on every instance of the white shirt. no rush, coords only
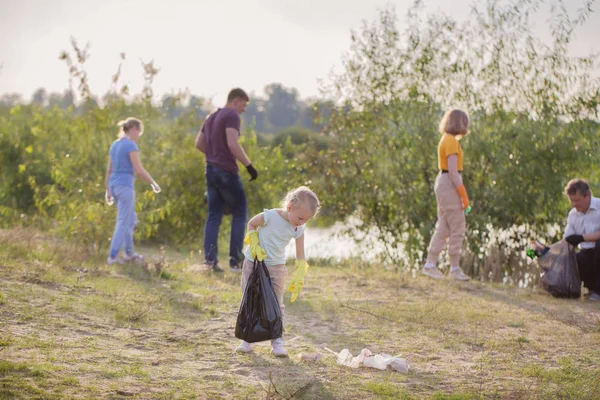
(274, 236)
(579, 223)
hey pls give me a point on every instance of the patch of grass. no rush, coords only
(134, 370)
(25, 317)
(5, 340)
(7, 367)
(569, 380)
(387, 390)
(2, 299)
(515, 324)
(212, 311)
(39, 343)
(167, 276)
(70, 381)
(522, 340)
(17, 387)
(41, 370)
(12, 252)
(133, 311)
(197, 304)
(291, 386)
(34, 370)
(112, 373)
(444, 396)
(28, 244)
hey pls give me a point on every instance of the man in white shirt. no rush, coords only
(583, 228)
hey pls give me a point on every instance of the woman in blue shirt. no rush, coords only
(123, 162)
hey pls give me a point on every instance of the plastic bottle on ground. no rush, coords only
(399, 364)
(536, 249)
(376, 361)
(345, 357)
(359, 359)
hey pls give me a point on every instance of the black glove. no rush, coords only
(574, 240)
(252, 171)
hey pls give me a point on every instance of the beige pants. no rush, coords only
(277, 273)
(451, 225)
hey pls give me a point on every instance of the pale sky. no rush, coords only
(204, 46)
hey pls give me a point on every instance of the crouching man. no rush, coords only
(583, 230)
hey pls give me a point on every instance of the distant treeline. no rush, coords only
(279, 108)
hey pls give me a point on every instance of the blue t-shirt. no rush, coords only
(122, 169)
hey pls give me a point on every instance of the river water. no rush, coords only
(334, 244)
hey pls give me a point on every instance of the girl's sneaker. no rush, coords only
(458, 275)
(134, 258)
(244, 347)
(116, 260)
(432, 272)
(278, 350)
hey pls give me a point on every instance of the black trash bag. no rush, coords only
(561, 274)
(259, 317)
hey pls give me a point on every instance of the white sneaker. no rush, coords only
(458, 275)
(278, 350)
(432, 272)
(134, 258)
(244, 347)
(111, 261)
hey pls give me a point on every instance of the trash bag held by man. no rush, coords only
(259, 317)
(561, 274)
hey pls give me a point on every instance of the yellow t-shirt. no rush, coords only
(448, 146)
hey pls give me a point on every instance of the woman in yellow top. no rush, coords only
(451, 196)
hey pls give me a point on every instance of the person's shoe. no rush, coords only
(211, 267)
(244, 347)
(235, 268)
(116, 260)
(277, 348)
(134, 258)
(432, 272)
(594, 296)
(458, 275)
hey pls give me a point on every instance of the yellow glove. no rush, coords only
(298, 281)
(256, 251)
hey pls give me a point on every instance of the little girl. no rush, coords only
(274, 229)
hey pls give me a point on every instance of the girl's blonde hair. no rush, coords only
(129, 123)
(302, 196)
(455, 122)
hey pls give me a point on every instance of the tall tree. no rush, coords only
(40, 97)
(282, 106)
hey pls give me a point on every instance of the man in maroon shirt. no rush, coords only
(218, 140)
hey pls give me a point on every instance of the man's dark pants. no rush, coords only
(224, 188)
(588, 261)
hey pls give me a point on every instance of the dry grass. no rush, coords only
(74, 328)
